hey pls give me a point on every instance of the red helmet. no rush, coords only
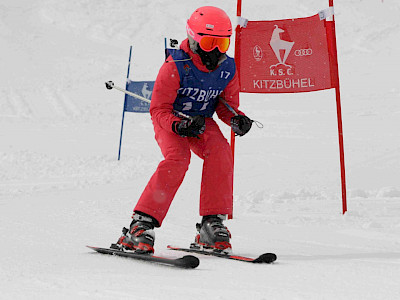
(210, 21)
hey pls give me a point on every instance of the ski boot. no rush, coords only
(212, 235)
(139, 238)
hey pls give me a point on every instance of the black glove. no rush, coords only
(240, 124)
(190, 127)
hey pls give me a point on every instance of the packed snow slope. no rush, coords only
(61, 186)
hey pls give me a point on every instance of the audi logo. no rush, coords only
(303, 52)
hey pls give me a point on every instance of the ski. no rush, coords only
(263, 258)
(186, 262)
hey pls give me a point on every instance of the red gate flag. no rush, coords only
(290, 56)
(286, 56)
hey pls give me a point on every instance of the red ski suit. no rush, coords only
(216, 195)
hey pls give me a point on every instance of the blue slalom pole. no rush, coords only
(123, 111)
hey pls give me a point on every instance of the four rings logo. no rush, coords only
(303, 52)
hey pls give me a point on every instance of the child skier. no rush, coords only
(191, 81)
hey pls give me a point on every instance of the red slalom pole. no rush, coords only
(237, 61)
(339, 111)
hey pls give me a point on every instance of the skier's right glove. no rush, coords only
(190, 127)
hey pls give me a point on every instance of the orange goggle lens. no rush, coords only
(209, 43)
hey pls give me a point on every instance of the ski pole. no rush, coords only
(228, 106)
(258, 124)
(110, 85)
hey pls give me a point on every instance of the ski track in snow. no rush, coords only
(61, 186)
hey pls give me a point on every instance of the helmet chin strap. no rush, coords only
(192, 44)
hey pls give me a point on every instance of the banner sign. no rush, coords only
(141, 88)
(285, 56)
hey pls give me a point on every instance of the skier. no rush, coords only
(191, 81)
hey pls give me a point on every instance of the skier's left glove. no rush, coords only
(241, 124)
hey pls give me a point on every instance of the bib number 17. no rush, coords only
(225, 74)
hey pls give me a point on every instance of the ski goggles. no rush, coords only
(210, 42)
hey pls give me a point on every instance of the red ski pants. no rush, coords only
(216, 195)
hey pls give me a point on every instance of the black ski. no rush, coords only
(263, 258)
(187, 261)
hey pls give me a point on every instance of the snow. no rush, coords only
(61, 186)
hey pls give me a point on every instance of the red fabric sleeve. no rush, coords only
(231, 96)
(164, 95)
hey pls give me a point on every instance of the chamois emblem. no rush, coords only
(145, 91)
(277, 44)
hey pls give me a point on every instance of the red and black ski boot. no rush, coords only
(139, 238)
(213, 235)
